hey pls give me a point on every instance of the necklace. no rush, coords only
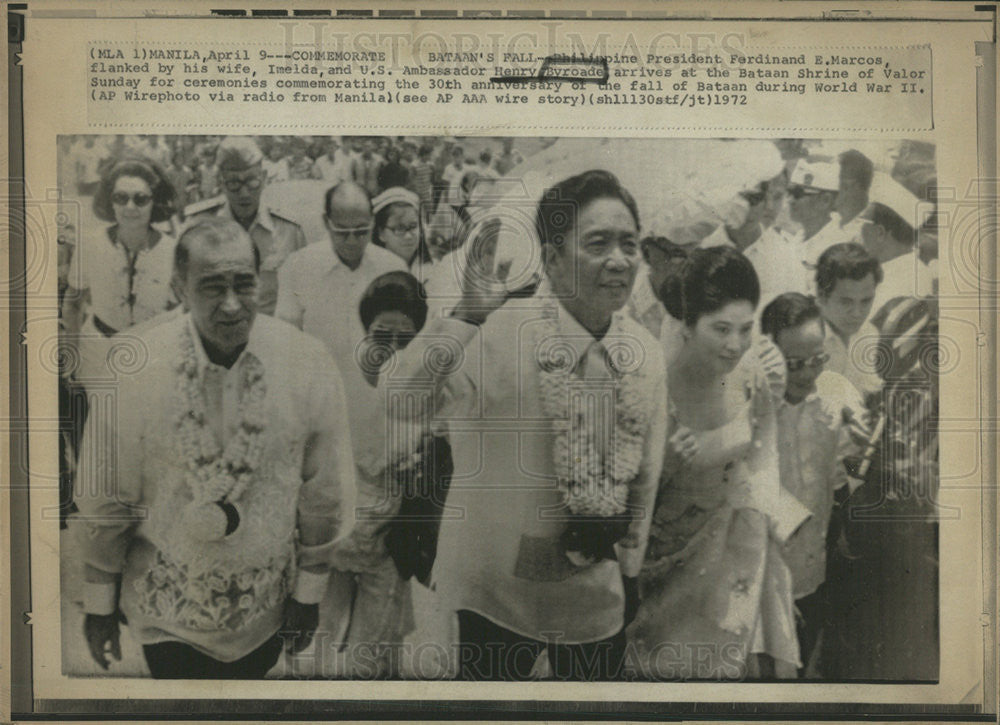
(594, 481)
(212, 474)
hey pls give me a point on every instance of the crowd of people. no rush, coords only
(698, 447)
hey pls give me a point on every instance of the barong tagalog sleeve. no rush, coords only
(327, 471)
(631, 550)
(765, 493)
(109, 496)
(223, 596)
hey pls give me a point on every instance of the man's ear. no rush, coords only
(549, 254)
(179, 290)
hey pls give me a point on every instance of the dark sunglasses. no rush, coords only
(754, 198)
(816, 361)
(121, 198)
(389, 337)
(797, 192)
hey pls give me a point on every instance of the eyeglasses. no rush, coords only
(235, 183)
(406, 230)
(121, 198)
(797, 192)
(345, 232)
(816, 361)
(753, 198)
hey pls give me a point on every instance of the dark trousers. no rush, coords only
(488, 651)
(811, 621)
(178, 661)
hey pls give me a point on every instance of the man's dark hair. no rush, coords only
(855, 165)
(213, 230)
(715, 277)
(845, 261)
(562, 203)
(786, 311)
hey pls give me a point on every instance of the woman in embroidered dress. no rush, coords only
(715, 593)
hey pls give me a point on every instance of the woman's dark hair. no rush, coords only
(394, 291)
(790, 309)
(713, 278)
(845, 261)
(160, 188)
(422, 253)
(561, 204)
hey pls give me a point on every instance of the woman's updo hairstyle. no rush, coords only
(715, 277)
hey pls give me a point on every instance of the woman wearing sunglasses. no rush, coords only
(120, 277)
(403, 472)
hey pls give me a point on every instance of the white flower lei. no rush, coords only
(213, 474)
(591, 484)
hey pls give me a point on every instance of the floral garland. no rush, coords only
(214, 475)
(593, 484)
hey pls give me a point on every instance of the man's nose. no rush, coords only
(230, 303)
(618, 259)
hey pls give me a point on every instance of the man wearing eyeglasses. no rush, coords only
(819, 426)
(319, 291)
(320, 287)
(241, 174)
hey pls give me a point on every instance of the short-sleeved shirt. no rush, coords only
(275, 236)
(856, 359)
(123, 294)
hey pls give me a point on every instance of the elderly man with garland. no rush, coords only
(557, 412)
(210, 496)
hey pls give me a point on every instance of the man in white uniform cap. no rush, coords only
(888, 233)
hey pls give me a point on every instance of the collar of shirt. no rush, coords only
(331, 261)
(263, 217)
(252, 350)
(587, 349)
(112, 232)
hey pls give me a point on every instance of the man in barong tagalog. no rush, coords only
(211, 491)
(556, 405)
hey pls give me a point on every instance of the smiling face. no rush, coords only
(718, 340)
(401, 233)
(220, 291)
(132, 201)
(593, 270)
